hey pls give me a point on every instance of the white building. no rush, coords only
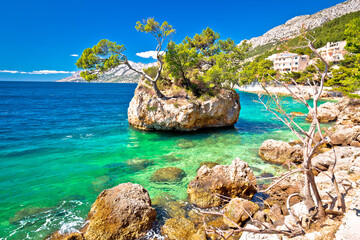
(333, 52)
(287, 62)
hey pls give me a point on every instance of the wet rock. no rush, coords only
(185, 144)
(169, 174)
(148, 112)
(138, 164)
(180, 228)
(327, 112)
(239, 210)
(235, 180)
(169, 206)
(280, 152)
(122, 212)
(72, 236)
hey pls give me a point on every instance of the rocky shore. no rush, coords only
(223, 198)
(279, 90)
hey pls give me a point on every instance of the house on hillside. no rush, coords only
(289, 62)
(333, 52)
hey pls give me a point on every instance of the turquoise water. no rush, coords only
(63, 143)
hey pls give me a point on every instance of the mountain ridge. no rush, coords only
(119, 74)
(293, 26)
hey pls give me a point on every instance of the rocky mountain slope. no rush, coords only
(293, 26)
(120, 74)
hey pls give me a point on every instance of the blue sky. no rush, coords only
(42, 35)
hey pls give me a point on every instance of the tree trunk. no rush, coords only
(158, 92)
(310, 187)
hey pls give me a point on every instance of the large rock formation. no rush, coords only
(235, 180)
(122, 212)
(148, 112)
(293, 27)
(280, 152)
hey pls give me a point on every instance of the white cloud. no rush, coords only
(8, 71)
(74, 55)
(48, 72)
(36, 72)
(149, 54)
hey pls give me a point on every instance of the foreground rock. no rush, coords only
(239, 210)
(280, 152)
(235, 180)
(180, 228)
(147, 112)
(122, 212)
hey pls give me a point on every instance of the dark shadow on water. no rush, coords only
(241, 127)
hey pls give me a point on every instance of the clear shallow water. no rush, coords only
(63, 143)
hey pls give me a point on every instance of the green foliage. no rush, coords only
(204, 43)
(204, 64)
(257, 70)
(100, 58)
(347, 77)
(180, 60)
(265, 50)
(352, 33)
(160, 32)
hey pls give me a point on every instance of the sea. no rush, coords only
(61, 144)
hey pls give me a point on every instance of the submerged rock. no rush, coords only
(148, 112)
(235, 180)
(169, 174)
(168, 206)
(171, 157)
(297, 114)
(280, 152)
(138, 164)
(185, 144)
(28, 212)
(122, 212)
